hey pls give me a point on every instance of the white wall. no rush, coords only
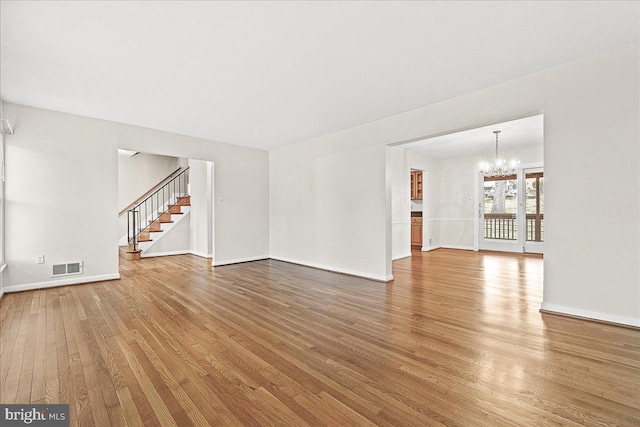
(400, 181)
(138, 174)
(201, 214)
(62, 184)
(399, 164)
(327, 206)
(241, 177)
(592, 120)
(430, 168)
(177, 240)
(61, 195)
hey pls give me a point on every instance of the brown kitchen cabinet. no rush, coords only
(416, 231)
(416, 185)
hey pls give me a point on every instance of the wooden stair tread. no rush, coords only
(148, 228)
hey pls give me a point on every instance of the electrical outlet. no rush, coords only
(461, 234)
(431, 241)
(40, 259)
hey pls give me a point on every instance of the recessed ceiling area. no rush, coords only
(268, 74)
(514, 134)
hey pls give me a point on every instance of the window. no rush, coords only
(501, 208)
(535, 206)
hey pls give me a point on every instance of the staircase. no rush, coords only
(154, 214)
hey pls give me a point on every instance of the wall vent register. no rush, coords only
(66, 269)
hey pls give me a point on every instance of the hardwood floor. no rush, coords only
(456, 339)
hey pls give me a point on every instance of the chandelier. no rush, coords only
(500, 167)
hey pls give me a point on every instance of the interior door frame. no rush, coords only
(519, 245)
(527, 245)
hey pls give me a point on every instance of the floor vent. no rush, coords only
(66, 269)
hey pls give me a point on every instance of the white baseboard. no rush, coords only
(587, 314)
(462, 248)
(155, 254)
(201, 254)
(433, 248)
(1, 293)
(407, 255)
(169, 253)
(239, 260)
(336, 270)
(63, 282)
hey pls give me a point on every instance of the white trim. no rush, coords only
(336, 270)
(1, 293)
(155, 254)
(534, 165)
(201, 254)
(500, 245)
(401, 223)
(239, 260)
(2, 267)
(182, 252)
(123, 241)
(587, 314)
(475, 126)
(478, 203)
(407, 255)
(64, 282)
(448, 219)
(429, 248)
(532, 247)
(462, 248)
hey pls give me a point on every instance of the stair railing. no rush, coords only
(151, 208)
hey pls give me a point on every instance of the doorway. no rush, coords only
(417, 208)
(454, 190)
(166, 205)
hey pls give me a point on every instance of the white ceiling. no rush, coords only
(515, 134)
(268, 74)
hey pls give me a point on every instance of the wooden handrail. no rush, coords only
(500, 215)
(149, 191)
(509, 215)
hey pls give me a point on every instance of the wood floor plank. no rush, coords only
(28, 357)
(75, 377)
(65, 384)
(38, 389)
(456, 339)
(15, 364)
